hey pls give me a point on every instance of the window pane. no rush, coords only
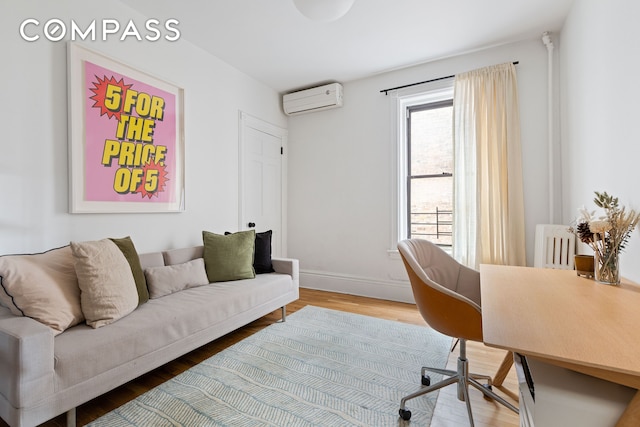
(431, 144)
(431, 207)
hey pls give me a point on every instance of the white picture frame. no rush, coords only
(126, 137)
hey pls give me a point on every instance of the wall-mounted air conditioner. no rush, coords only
(314, 99)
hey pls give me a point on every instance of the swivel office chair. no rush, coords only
(447, 295)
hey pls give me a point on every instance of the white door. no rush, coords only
(262, 179)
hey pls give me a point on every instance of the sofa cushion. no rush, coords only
(229, 257)
(151, 259)
(129, 251)
(173, 278)
(42, 286)
(182, 255)
(107, 288)
(161, 325)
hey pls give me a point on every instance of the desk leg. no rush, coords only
(631, 416)
(503, 370)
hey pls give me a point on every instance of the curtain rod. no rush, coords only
(426, 81)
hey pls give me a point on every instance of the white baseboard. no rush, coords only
(391, 290)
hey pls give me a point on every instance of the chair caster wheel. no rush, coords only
(426, 380)
(405, 414)
(487, 387)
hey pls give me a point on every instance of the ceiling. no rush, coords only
(272, 42)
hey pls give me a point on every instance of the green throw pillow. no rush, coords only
(229, 257)
(129, 250)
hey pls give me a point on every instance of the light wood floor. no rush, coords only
(450, 412)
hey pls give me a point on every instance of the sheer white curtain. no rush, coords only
(488, 201)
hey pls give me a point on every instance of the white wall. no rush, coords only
(33, 115)
(600, 93)
(341, 182)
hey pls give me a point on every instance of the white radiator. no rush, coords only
(555, 247)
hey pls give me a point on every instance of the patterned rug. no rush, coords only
(320, 368)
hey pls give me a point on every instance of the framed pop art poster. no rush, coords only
(126, 145)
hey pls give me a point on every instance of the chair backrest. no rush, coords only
(555, 247)
(447, 293)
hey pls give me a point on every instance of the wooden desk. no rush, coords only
(566, 320)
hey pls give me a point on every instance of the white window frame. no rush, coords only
(436, 91)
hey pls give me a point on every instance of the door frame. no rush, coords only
(246, 121)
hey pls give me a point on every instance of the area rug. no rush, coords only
(319, 368)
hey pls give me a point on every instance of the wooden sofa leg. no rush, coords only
(71, 417)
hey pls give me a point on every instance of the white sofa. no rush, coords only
(43, 375)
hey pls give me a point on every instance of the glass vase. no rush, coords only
(607, 268)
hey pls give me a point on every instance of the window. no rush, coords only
(430, 165)
(423, 169)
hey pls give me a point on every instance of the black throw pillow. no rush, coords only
(262, 257)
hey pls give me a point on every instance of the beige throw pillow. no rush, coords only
(107, 288)
(168, 279)
(42, 286)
